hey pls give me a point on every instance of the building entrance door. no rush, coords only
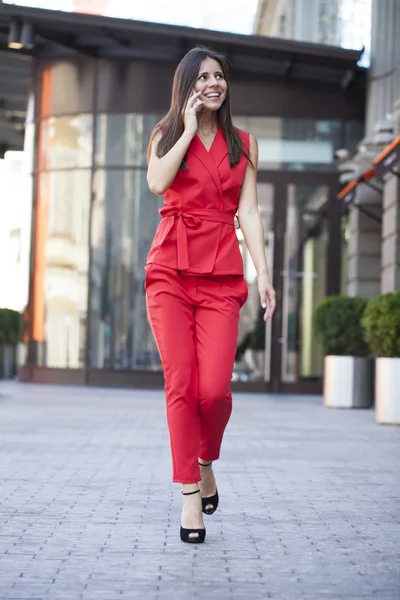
(302, 224)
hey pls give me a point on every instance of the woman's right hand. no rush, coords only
(193, 107)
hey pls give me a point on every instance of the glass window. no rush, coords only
(354, 132)
(123, 139)
(66, 142)
(67, 86)
(124, 219)
(294, 144)
(62, 261)
(304, 285)
(254, 342)
(136, 86)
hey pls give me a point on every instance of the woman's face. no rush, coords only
(212, 85)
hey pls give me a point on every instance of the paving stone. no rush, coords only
(309, 501)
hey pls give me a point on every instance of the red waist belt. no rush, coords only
(190, 219)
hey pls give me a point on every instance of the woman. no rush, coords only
(206, 169)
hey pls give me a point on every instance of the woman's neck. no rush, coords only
(207, 122)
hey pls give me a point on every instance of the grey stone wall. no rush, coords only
(390, 276)
(364, 253)
(384, 73)
(374, 248)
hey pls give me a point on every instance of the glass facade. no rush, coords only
(291, 146)
(254, 344)
(121, 140)
(67, 142)
(124, 218)
(305, 260)
(62, 267)
(294, 144)
(95, 219)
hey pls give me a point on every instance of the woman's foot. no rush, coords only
(192, 518)
(208, 487)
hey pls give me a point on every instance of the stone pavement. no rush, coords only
(309, 509)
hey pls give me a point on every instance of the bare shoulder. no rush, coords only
(246, 138)
(244, 135)
(253, 142)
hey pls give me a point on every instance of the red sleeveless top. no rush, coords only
(197, 232)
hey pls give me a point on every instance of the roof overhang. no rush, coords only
(106, 36)
(389, 159)
(347, 194)
(56, 33)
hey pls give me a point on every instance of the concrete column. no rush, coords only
(383, 75)
(364, 253)
(365, 233)
(373, 253)
(390, 277)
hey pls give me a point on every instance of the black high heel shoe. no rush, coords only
(185, 533)
(214, 500)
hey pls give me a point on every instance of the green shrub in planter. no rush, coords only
(381, 322)
(11, 327)
(337, 326)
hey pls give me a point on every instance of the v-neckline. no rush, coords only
(208, 150)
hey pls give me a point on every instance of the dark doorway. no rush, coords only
(301, 217)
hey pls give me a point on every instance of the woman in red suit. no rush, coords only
(206, 169)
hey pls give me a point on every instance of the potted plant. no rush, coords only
(11, 332)
(382, 332)
(348, 367)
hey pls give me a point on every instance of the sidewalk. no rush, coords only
(310, 501)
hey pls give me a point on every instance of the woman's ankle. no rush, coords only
(188, 488)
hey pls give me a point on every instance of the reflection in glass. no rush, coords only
(304, 280)
(66, 142)
(67, 86)
(294, 144)
(253, 353)
(65, 265)
(344, 267)
(354, 133)
(124, 220)
(122, 139)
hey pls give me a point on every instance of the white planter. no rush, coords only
(348, 382)
(387, 390)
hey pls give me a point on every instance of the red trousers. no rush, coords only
(194, 320)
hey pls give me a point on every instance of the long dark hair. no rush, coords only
(172, 125)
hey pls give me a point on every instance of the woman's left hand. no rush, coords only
(267, 295)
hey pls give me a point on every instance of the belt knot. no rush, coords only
(190, 219)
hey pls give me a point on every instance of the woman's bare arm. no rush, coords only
(162, 171)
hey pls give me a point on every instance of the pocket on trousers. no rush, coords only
(238, 287)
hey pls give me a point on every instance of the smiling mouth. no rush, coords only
(213, 95)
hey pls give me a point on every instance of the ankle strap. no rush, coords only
(190, 493)
(205, 464)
